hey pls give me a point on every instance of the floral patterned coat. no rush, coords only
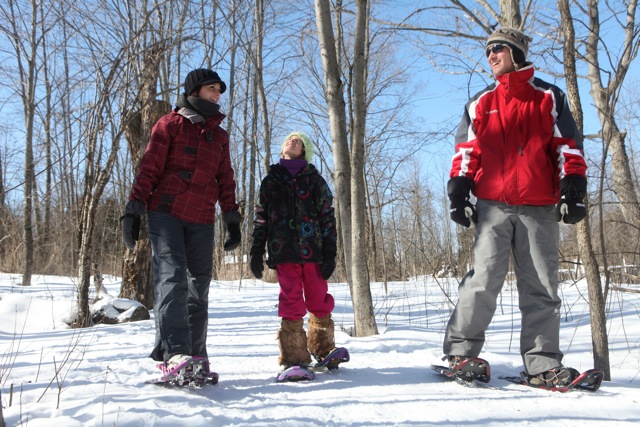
(294, 217)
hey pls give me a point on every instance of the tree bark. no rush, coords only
(137, 275)
(510, 13)
(596, 300)
(365, 320)
(258, 63)
(28, 77)
(334, 95)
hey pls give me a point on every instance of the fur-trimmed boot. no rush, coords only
(321, 336)
(292, 341)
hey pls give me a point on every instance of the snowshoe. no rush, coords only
(465, 370)
(332, 360)
(295, 373)
(589, 380)
(186, 372)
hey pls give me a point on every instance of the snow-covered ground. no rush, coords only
(101, 370)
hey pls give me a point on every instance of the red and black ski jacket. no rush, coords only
(516, 140)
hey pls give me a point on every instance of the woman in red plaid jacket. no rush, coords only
(185, 170)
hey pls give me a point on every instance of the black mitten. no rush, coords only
(256, 265)
(571, 208)
(327, 268)
(232, 220)
(461, 211)
(130, 222)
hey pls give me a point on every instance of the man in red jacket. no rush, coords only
(184, 172)
(518, 151)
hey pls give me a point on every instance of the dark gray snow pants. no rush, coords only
(182, 268)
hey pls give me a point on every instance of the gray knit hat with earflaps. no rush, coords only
(517, 41)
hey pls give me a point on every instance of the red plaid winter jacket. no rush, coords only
(186, 169)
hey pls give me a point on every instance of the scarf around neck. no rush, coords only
(293, 165)
(201, 106)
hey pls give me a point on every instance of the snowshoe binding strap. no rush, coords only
(472, 369)
(334, 358)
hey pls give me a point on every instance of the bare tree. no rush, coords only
(47, 127)
(137, 277)
(365, 320)
(606, 97)
(21, 26)
(150, 49)
(352, 208)
(596, 298)
(334, 95)
(102, 130)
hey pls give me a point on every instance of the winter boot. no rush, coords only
(559, 377)
(178, 361)
(470, 368)
(293, 344)
(321, 337)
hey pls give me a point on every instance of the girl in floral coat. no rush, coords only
(295, 220)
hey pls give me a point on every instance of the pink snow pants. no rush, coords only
(302, 289)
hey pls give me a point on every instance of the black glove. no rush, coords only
(130, 222)
(256, 265)
(327, 268)
(461, 211)
(232, 220)
(571, 208)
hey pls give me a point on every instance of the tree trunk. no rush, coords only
(137, 274)
(27, 93)
(510, 13)
(365, 320)
(338, 125)
(45, 232)
(605, 99)
(85, 262)
(587, 254)
(264, 109)
(27, 271)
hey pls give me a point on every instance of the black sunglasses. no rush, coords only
(496, 48)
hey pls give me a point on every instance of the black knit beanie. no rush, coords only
(200, 77)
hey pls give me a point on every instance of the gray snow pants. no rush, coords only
(182, 268)
(531, 234)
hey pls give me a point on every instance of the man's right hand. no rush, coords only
(463, 212)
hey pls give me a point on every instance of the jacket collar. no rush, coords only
(516, 83)
(281, 172)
